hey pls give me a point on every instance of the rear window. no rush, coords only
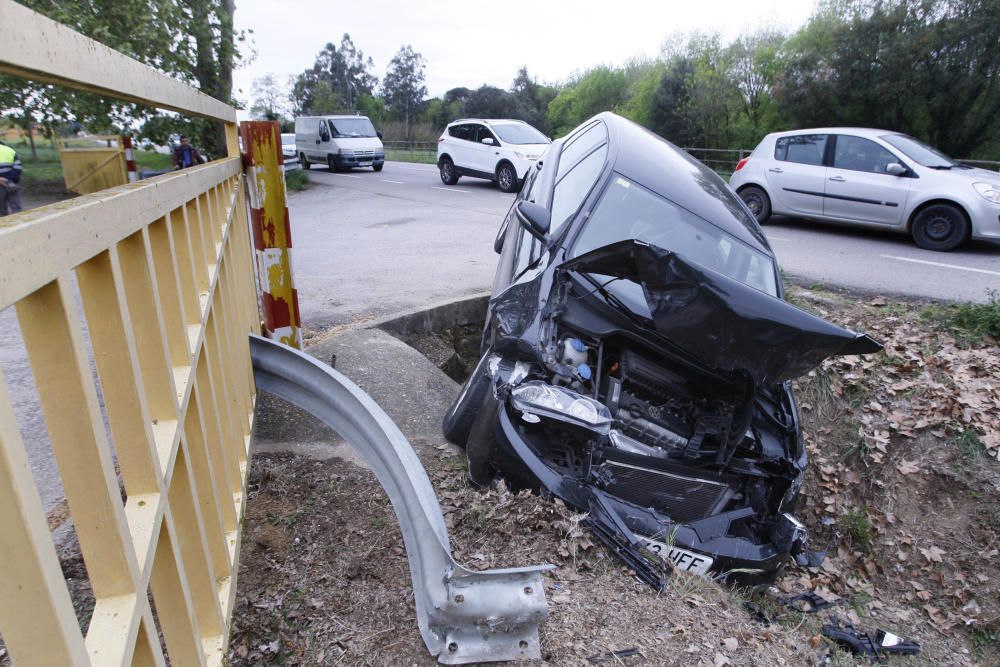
(802, 149)
(464, 131)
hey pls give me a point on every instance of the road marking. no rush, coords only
(386, 180)
(348, 176)
(464, 192)
(777, 238)
(942, 264)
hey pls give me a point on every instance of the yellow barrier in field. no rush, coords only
(87, 170)
(163, 272)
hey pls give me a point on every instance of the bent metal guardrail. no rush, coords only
(464, 616)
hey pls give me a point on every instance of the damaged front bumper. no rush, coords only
(628, 528)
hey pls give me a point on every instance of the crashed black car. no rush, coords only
(637, 358)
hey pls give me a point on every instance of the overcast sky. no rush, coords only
(471, 43)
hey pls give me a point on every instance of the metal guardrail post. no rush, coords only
(272, 233)
(464, 616)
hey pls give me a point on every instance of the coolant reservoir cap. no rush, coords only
(584, 371)
(577, 345)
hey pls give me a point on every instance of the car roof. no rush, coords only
(658, 165)
(862, 131)
(488, 121)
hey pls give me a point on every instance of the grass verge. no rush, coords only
(422, 157)
(296, 180)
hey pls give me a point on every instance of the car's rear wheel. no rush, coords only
(303, 161)
(377, 167)
(757, 201)
(448, 174)
(940, 227)
(507, 177)
(458, 420)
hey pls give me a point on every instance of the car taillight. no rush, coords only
(739, 165)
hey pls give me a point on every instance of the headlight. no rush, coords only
(346, 151)
(559, 403)
(988, 191)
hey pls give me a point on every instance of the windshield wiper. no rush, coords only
(940, 167)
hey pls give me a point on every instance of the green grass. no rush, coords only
(974, 320)
(857, 527)
(47, 167)
(423, 157)
(297, 179)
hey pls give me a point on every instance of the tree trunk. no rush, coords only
(29, 125)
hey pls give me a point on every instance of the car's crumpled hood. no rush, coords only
(722, 323)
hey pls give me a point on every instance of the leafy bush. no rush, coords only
(296, 180)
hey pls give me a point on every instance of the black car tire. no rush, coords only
(458, 420)
(940, 227)
(507, 177)
(303, 161)
(757, 201)
(448, 175)
(377, 167)
(331, 164)
(482, 443)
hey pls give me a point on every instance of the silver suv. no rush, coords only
(873, 178)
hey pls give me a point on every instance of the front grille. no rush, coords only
(679, 497)
(364, 153)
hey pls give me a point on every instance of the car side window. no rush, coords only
(459, 131)
(571, 190)
(580, 145)
(485, 133)
(858, 154)
(324, 131)
(802, 149)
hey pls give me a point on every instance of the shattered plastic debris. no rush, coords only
(861, 643)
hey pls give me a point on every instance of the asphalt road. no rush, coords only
(371, 243)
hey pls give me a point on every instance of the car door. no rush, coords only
(796, 177)
(458, 147)
(484, 157)
(322, 146)
(858, 187)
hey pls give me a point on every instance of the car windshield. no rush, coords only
(288, 140)
(519, 133)
(919, 152)
(629, 211)
(352, 127)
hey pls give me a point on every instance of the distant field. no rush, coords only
(47, 167)
(404, 155)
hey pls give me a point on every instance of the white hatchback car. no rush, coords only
(873, 178)
(498, 150)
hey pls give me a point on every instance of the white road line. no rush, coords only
(947, 266)
(777, 238)
(386, 180)
(347, 176)
(464, 192)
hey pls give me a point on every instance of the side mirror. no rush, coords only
(896, 169)
(378, 133)
(534, 218)
(487, 140)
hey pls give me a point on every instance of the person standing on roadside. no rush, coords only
(186, 155)
(10, 177)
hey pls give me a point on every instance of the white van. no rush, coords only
(339, 142)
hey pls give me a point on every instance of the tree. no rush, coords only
(403, 86)
(269, 98)
(754, 59)
(192, 40)
(339, 80)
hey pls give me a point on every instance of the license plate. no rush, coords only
(682, 559)
(365, 164)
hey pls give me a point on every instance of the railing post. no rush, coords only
(130, 168)
(272, 232)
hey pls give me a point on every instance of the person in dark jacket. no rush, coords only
(10, 177)
(186, 155)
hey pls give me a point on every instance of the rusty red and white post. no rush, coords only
(272, 232)
(130, 168)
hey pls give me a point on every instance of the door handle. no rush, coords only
(777, 170)
(838, 179)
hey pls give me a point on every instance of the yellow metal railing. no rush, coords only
(153, 283)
